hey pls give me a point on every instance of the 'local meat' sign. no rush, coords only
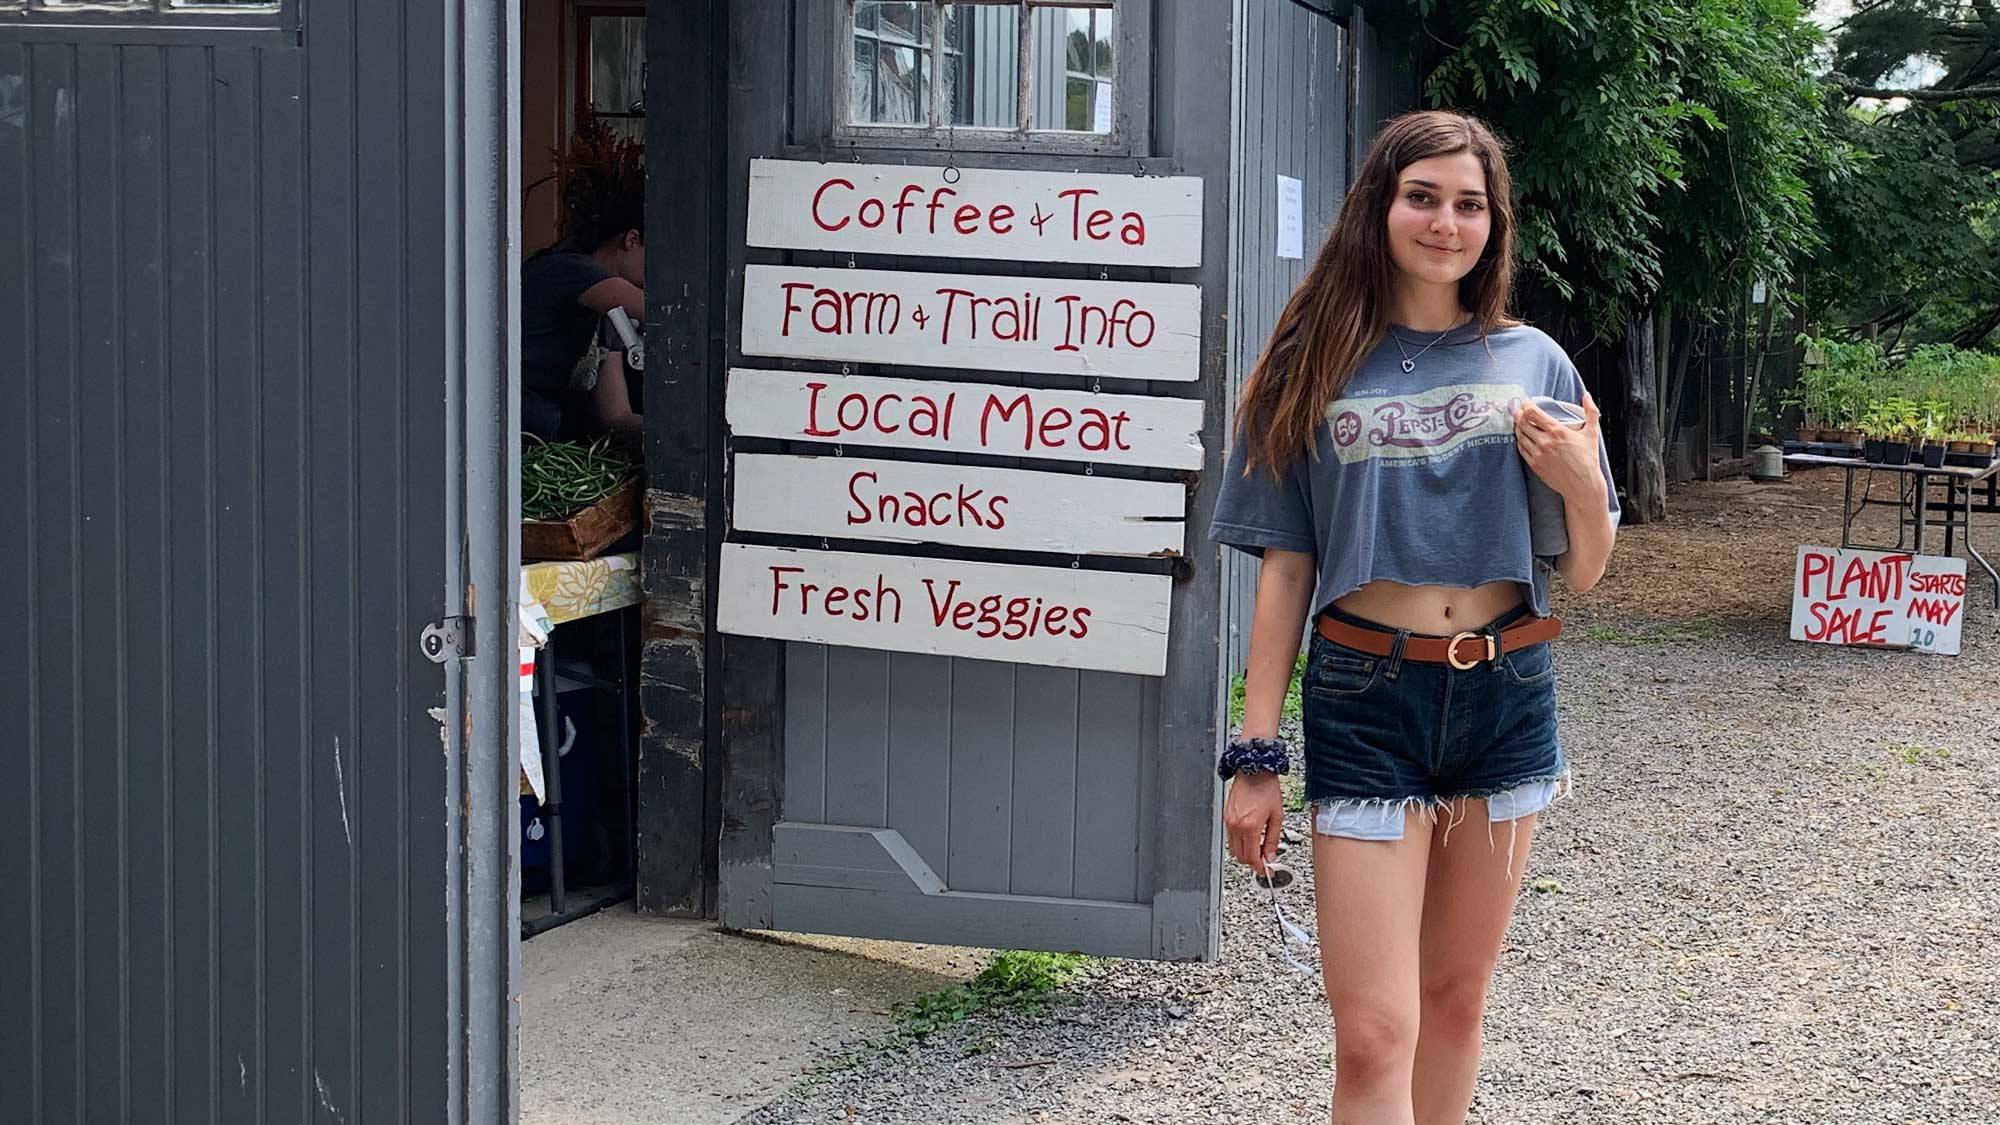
(1065, 613)
(954, 417)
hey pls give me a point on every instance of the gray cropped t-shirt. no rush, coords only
(1416, 478)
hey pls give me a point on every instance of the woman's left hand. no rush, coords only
(1565, 457)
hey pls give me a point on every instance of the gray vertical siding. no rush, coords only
(1005, 778)
(220, 300)
(1291, 91)
(1311, 94)
(1049, 89)
(996, 48)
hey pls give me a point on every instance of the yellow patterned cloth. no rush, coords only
(573, 589)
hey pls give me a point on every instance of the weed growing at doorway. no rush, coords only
(1293, 709)
(1015, 979)
(1019, 980)
(1664, 634)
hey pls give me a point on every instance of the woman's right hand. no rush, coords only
(1253, 817)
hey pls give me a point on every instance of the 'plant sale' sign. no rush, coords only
(1878, 599)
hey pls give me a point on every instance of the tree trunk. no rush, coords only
(1757, 365)
(1645, 464)
(1674, 344)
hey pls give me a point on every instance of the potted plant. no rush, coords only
(1902, 427)
(1933, 431)
(1875, 426)
(1833, 388)
(1847, 398)
(1810, 396)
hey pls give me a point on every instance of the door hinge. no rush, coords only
(451, 637)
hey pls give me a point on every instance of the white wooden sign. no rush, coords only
(1878, 599)
(986, 213)
(966, 418)
(917, 502)
(1115, 329)
(1026, 614)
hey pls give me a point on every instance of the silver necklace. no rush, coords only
(1410, 361)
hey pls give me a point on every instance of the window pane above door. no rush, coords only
(618, 64)
(982, 44)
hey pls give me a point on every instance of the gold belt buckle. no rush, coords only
(1451, 654)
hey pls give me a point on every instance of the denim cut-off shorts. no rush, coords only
(1384, 735)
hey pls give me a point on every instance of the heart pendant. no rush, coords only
(1409, 365)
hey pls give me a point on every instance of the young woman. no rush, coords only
(1409, 500)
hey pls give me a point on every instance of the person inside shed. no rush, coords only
(574, 380)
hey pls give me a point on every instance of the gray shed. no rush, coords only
(939, 797)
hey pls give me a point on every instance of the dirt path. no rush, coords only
(1775, 896)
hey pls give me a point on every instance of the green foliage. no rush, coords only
(1662, 147)
(1834, 383)
(1015, 978)
(1937, 392)
(1291, 711)
(1905, 224)
(1910, 241)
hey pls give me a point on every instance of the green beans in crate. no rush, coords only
(562, 478)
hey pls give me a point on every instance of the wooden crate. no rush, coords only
(585, 534)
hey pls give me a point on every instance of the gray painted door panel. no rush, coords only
(937, 796)
(234, 499)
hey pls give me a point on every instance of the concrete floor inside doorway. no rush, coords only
(629, 1019)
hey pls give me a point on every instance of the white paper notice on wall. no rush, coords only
(1090, 218)
(1291, 218)
(951, 417)
(1878, 599)
(1094, 619)
(963, 505)
(1113, 329)
(1100, 120)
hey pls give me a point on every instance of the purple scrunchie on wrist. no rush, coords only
(1255, 755)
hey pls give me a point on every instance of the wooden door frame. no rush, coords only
(679, 806)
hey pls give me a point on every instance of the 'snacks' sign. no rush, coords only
(963, 505)
(1878, 599)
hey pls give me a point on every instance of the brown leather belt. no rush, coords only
(1463, 652)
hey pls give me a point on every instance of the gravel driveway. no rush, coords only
(1774, 897)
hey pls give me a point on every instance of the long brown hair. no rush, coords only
(1340, 312)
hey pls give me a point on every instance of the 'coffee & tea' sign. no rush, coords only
(977, 213)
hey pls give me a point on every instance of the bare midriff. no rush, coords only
(1437, 610)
